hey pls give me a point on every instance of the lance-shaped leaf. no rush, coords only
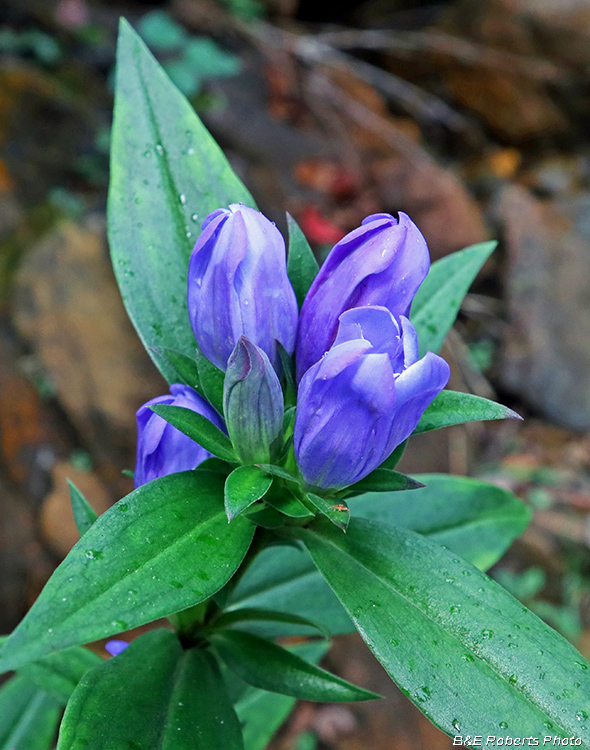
(438, 300)
(167, 174)
(154, 695)
(338, 513)
(84, 513)
(243, 487)
(161, 549)
(302, 267)
(253, 614)
(261, 713)
(59, 674)
(198, 428)
(267, 666)
(211, 379)
(386, 480)
(473, 519)
(467, 653)
(28, 716)
(452, 407)
(184, 368)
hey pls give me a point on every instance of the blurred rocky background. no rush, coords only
(472, 117)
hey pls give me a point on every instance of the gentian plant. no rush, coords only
(267, 501)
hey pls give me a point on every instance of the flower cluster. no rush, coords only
(362, 387)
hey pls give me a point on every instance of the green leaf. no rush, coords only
(288, 504)
(261, 713)
(467, 653)
(84, 513)
(288, 367)
(302, 267)
(211, 379)
(472, 518)
(393, 460)
(167, 174)
(28, 717)
(165, 547)
(184, 368)
(269, 667)
(438, 300)
(243, 487)
(452, 407)
(252, 614)
(338, 514)
(198, 428)
(59, 674)
(153, 695)
(386, 480)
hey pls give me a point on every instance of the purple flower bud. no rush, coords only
(114, 648)
(161, 448)
(252, 403)
(382, 262)
(238, 285)
(363, 398)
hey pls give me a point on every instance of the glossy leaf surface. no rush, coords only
(167, 174)
(198, 428)
(265, 665)
(28, 716)
(84, 513)
(438, 300)
(302, 267)
(161, 549)
(474, 519)
(243, 487)
(154, 695)
(452, 407)
(467, 653)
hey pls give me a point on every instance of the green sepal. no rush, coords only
(385, 480)
(337, 512)
(243, 487)
(183, 368)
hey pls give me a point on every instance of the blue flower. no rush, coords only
(382, 262)
(363, 398)
(238, 285)
(161, 448)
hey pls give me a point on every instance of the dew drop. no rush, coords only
(93, 554)
(454, 609)
(455, 724)
(468, 657)
(123, 507)
(394, 642)
(581, 665)
(147, 154)
(195, 217)
(190, 151)
(503, 725)
(581, 716)
(512, 679)
(487, 633)
(177, 584)
(159, 148)
(182, 199)
(137, 200)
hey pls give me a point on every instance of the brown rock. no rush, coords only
(57, 521)
(68, 307)
(435, 199)
(516, 106)
(547, 353)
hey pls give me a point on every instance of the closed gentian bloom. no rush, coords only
(363, 398)
(252, 404)
(382, 262)
(161, 448)
(238, 285)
